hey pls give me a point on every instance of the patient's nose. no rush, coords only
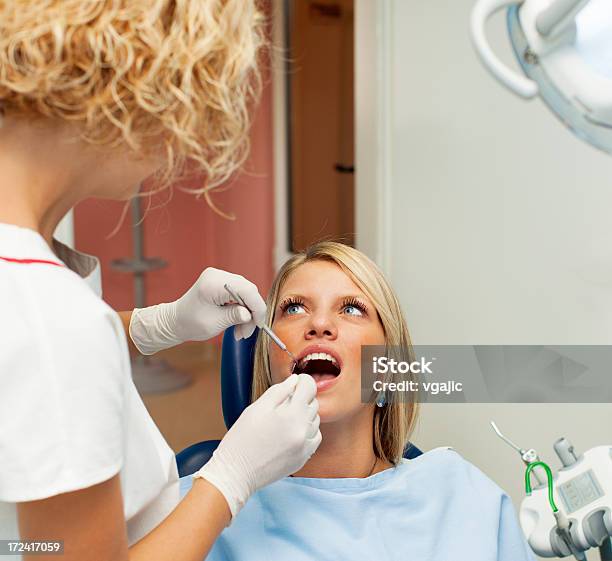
(321, 325)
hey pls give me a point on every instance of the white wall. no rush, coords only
(498, 222)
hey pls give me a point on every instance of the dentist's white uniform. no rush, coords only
(64, 357)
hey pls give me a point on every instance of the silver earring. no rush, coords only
(380, 400)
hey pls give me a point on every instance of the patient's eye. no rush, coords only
(354, 307)
(292, 306)
(294, 309)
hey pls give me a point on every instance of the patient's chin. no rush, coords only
(329, 417)
(336, 408)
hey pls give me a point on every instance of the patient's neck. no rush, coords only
(346, 450)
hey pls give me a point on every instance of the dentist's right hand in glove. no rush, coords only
(273, 438)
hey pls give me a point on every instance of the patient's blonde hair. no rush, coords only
(174, 76)
(394, 421)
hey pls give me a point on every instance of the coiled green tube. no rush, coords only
(549, 477)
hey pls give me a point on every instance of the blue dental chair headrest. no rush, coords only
(236, 380)
(236, 374)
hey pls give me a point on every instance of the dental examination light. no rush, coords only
(570, 512)
(564, 47)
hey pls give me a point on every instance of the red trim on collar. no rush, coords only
(30, 261)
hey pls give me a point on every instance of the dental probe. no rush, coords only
(528, 456)
(269, 331)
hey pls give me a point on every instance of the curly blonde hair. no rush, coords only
(172, 76)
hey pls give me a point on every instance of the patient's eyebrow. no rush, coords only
(358, 296)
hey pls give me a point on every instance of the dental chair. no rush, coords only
(236, 379)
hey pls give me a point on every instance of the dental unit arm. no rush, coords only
(569, 512)
(563, 48)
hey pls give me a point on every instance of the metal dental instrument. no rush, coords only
(269, 331)
(528, 456)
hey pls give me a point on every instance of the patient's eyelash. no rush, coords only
(290, 301)
(352, 301)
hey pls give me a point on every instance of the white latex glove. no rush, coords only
(201, 313)
(273, 438)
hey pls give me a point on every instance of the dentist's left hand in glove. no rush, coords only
(204, 311)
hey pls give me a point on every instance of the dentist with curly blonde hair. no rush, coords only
(96, 96)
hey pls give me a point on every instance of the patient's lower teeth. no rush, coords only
(322, 377)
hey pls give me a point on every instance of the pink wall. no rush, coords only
(188, 234)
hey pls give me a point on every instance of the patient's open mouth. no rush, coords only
(322, 366)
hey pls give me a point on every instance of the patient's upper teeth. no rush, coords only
(318, 356)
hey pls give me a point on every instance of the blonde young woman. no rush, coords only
(95, 96)
(356, 498)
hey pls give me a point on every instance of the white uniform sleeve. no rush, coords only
(63, 380)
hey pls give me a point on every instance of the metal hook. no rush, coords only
(521, 451)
